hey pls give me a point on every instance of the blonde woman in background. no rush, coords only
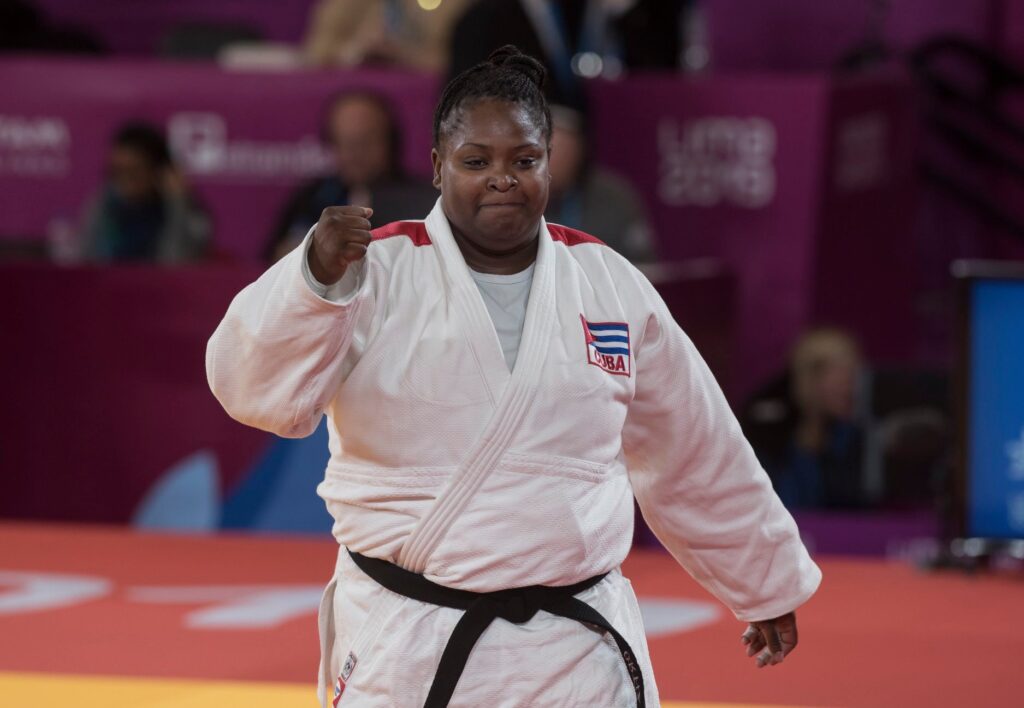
(823, 464)
(405, 33)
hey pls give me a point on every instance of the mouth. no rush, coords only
(502, 205)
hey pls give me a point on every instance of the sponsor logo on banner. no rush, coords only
(203, 146)
(1015, 453)
(34, 146)
(607, 345)
(713, 161)
(862, 157)
(1015, 511)
(1015, 473)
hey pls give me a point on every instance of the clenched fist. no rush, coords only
(341, 237)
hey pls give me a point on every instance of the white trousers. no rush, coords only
(393, 645)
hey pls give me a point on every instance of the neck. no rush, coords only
(506, 262)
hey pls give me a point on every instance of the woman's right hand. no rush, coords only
(341, 237)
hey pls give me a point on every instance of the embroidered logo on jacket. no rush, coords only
(607, 345)
(346, 673)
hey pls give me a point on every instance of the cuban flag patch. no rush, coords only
(607, 346)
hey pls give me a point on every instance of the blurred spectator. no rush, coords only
(575, 39)
(144, 211)
(587, 197)
(20, 25)
(363, 132)
(206, 40)
(411, 33)
(24, 29)
(834, 434)
(811, 439)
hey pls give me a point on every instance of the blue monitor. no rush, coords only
(993, 398)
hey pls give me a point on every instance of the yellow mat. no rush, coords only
(20, 690)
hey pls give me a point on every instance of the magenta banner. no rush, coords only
(244, 140)
(107, 392)
(812, 35)
(107, 389)
(802, 184)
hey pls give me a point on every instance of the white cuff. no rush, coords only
(339, 292)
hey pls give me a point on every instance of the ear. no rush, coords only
(435, 160)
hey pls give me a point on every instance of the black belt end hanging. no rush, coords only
(517, 605)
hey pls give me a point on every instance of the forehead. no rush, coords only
(125, 154)
(491, 121)
(358, 109)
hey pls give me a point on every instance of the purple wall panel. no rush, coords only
(730, 168)
(735, 168)
(244, 139)
(864, 267)
(810, 35)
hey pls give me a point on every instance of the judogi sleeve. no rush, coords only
(274, 361)
(699, 485)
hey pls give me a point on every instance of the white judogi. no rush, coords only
(444, 462)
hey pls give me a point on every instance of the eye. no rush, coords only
(474, 163)
(526, 162)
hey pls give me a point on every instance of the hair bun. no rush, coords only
(510, 57)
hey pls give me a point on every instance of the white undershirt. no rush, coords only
(506, 297)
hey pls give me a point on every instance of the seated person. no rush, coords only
(589, 198)
(364, 136)
(144, 211)
(810, 435)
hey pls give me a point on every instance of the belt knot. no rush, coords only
(516, 606)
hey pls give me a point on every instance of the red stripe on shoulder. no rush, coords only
(572, 237)
(415, 230)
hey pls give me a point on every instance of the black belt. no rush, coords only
(517, 605)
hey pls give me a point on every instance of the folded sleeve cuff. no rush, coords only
(340, 292)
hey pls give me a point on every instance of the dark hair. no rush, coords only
(385, 106)
(506, 75)
(145, 138)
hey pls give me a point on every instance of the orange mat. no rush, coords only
(237, 611)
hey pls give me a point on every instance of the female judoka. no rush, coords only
(498, 389)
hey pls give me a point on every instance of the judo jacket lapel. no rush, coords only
(512, 394)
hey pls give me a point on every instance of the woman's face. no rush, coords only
(131, 174)
(361, 139)
(492, 170)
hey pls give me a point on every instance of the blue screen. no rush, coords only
(995, 475)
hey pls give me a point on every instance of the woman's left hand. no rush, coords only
(771, 640)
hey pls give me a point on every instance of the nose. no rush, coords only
(502, 183)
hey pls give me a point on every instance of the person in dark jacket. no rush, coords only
(575, 39)
(362, 131)
(144, 210)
